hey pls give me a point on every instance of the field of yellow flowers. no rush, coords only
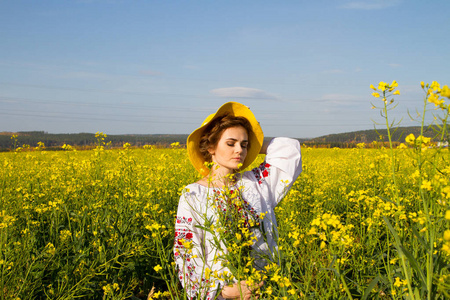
(358, 223)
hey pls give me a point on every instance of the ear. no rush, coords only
(212, 151)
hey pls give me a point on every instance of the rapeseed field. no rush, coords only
(362, 223)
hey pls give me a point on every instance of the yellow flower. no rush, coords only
(435, 86)
(447, 235)
(322, 245)
(207, 273)
(396, 93)
(410, 139)
(187, 244)
(445, 92)
(372, 87)
(434, 98)
(376, 95)
(275, 277)
(157, 268)
(50, 248)
(398, 282)
(422, 84)
(394, 84)
(426, 185)
(447, 215)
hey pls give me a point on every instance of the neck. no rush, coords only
(220, 178)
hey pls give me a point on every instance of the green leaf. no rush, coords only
(370, 287)
(417, 294)
(394, 233)
(415, 265)
(420, 239)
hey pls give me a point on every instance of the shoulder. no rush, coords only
(248, 177)
(192, 198)
(193, 189)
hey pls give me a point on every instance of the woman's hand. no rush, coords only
(234, 292)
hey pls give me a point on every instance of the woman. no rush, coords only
(226, 142)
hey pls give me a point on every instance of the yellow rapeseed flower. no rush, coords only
(399, 283)
(447, 235)
(445, 92)
(447, 215)
(382, 86)
(394, 84)
(426, 185)
(434, 98)
(410, 139)
(157, 268)
(275, 277)
(435, 86)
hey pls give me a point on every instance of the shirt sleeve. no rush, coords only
(281, 167)
(195, 266)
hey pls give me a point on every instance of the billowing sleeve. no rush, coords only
(281, 167)
(195, 265)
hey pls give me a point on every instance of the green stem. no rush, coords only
(397, 200)
(426, 209)
(391, 150)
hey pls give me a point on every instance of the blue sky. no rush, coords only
(303, 67)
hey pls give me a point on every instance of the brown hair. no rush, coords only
(213, 132)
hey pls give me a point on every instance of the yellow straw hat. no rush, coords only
(256, 136)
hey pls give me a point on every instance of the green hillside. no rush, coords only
(88, 140)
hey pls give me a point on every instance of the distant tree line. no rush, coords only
(351, 139)
(88, 140)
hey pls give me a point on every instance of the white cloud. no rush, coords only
(340, 99)
(394, 65)
(370, 4)
(242, 92)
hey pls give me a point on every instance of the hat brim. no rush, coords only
(256, 136)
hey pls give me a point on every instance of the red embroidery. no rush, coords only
(183, 220)
(182, 234)
(261, 172)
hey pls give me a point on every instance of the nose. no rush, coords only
(238, 148)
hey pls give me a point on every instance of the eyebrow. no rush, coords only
(233, 139)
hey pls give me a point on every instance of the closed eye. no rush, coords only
(231, 142)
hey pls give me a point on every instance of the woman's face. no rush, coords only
(231, 149)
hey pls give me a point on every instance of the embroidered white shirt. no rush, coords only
(262, 189)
